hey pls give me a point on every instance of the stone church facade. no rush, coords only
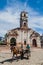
(24, 35)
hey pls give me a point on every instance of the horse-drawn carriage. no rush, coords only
(20, 51)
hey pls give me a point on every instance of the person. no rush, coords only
(22, 54)
(11, 47)
(28, 50)
(21, 46)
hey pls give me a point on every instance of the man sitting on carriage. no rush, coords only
(28, 51)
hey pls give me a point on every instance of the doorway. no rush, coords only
(24, 42)
(13, 41)
(34, 43)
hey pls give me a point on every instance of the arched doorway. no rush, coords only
(34, 43)
(24, 42)
(13, 41)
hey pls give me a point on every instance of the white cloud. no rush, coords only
(11, 15)
(8, 17)
(36, 21)
(2, 32)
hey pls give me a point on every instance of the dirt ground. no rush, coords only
(35, 59)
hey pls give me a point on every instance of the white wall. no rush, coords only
(22, 35)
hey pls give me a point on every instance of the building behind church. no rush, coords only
(23, 34)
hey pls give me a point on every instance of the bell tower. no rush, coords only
(23, 20)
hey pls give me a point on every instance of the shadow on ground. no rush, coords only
(12, 59)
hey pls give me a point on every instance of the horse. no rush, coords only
(15, 50)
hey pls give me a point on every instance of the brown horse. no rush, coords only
(17, 51)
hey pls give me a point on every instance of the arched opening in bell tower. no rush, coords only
(23, 19)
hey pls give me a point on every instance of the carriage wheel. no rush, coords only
(27, 56)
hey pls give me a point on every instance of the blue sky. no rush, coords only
(10, 14)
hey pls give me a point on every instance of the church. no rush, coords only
(23, 34)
